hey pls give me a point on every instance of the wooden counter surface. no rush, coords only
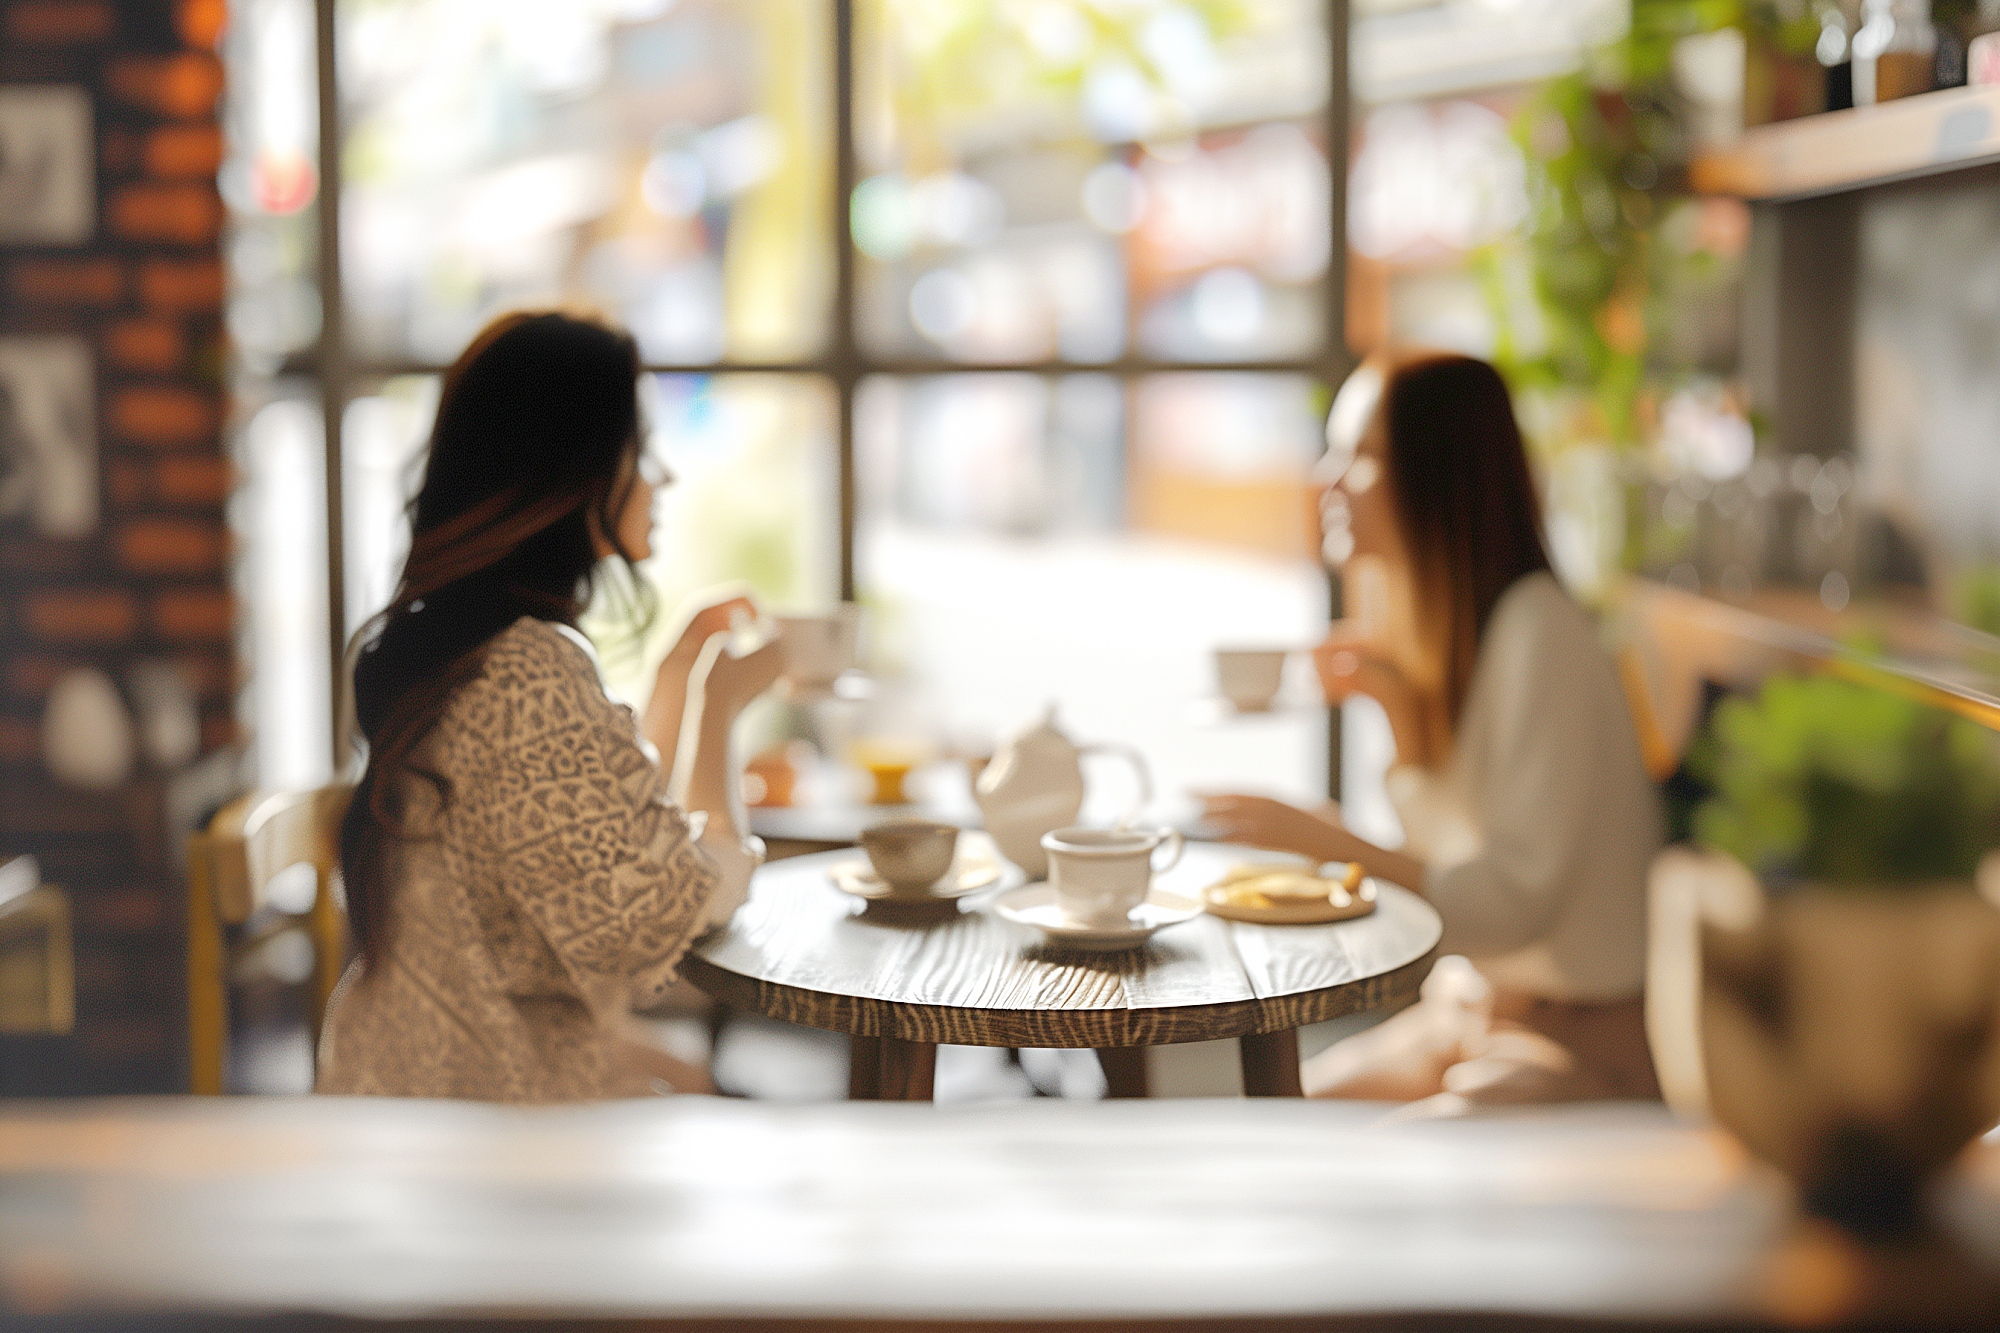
(699, 1212)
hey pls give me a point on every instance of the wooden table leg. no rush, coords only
(864, 1069)
(1271, 1064)
(1124, 1070)
(909, 1070)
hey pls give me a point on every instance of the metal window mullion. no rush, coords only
(865, 365)
(1338, 360)
(845, 362)
(331, 363)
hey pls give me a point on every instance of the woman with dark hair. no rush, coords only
(1528, 817)
(516, 877)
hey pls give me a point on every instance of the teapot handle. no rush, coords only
(1138, 762)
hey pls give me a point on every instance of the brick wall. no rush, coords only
(151, 583)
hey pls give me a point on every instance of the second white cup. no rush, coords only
(1250, 677)
(1100, 875)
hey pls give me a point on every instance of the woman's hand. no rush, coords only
(1349, 665)
(711, 620)
(714, 780)
(733, 682)
(671, 685)
(1259, 821)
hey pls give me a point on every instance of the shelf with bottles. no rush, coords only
(1849, 150)
(1882, 122)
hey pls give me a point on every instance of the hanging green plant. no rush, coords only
(1576, 294)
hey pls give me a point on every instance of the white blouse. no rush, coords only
(1540, 830)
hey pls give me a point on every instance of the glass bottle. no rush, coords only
(1782, 80)
(1835, 55)
(1950, 19)
(1894, 50)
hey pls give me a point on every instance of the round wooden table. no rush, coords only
(804, 952)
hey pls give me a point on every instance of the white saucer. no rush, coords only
(1035, 905)
(967, 875)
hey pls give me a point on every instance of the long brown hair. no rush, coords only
(1465, 499)
(532, 457)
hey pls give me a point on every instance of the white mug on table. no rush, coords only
(1100, 875)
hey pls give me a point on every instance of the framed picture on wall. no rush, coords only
(48, 194)
(48, 435)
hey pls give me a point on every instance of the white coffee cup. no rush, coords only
(1249, 677)
(1100, 875)
(818, 648)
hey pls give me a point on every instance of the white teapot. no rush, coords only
(1035, 785)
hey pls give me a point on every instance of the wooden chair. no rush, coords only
(1659, 752)
(231, 866)
(37, 968)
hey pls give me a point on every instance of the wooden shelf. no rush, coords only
(1849, 150)
(1681, 639)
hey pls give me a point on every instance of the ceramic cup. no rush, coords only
(1249, 677)
(1100, 875)
(818, 648)
(910, 855)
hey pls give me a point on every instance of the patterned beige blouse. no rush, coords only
(556, 889)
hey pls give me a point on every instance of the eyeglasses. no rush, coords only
(1348, 470)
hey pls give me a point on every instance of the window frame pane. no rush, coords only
(844, 361)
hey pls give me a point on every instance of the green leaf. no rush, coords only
(1848, 784)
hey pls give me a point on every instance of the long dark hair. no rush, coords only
(533, 455)
(1465, 498)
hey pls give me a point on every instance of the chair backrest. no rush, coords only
(260, 840)
(37, 968)
(268, 850)
(1660, 754)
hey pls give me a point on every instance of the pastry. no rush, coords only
(1267, 892)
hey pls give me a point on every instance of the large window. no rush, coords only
(1011, 320)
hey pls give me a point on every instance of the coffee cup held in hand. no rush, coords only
(911, 855)
(818, 648)
(1100, 875)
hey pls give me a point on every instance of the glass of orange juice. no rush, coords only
(888, 760)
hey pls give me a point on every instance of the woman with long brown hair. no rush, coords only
(1528, 817)
(516, 877)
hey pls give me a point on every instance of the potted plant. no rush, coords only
(1825, 972)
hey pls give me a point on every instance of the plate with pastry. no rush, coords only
(1268, 894)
